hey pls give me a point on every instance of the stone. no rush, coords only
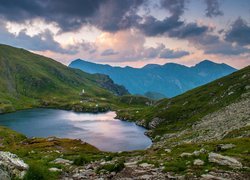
(186, 154)
(4, 175)
(211, 177)
(145, 165)
(223, 147)
(13, 165)
(146, 176)
(62, 161)
(224, 160)
(131, 164)
(54, 169)
(201, 151)
(198, 162)
(168, 150)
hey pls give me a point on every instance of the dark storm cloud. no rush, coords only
(109, 52)
(239, 32)
(213, 8)
(108, 15)
(188, 30)
(114, 15)
(153, 27)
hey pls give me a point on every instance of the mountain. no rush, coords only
(169, 79)
(220, 105)
(29, 79)
(154, 95)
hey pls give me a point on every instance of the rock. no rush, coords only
(198, 162)
(223, 147)
(62, 161)
(224, 160)
(155, 122)
(211, 177)
(186, 154)
(168, 150)
(146, 176)
(131, 164)
(12, 165)
(4, 175)
(54, 169)
(51, 138)
(201, 151)
(145, 165)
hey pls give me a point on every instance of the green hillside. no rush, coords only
(178, 113)
(30, 80)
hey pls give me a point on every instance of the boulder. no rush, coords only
(198, 162)
(224, 160)
(168, 150)
(12, 165)
(62, 161)
(54, 169)
(211, 177)
(223, 147)
(186, 154)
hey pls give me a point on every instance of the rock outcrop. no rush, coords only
(224, 160)
(11, 166)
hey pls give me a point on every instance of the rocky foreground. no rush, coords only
(217, 147)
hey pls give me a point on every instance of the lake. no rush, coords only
(100, 130)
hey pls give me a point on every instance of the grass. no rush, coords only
(181, 112)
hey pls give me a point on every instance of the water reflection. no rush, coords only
(101, 130)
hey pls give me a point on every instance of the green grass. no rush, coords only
(181, 112)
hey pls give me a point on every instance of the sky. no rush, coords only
(130, 32)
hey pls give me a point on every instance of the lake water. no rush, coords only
(100, 130)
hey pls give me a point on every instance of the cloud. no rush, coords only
(171, 54)
(40, 42)
(176, 8)
(239, 32)
(188, 30)
(212, 44)
(108, 15)
(153, 27)
(109, 52)
(213, 8)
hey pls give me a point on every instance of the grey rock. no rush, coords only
(186, 154)
(62, 161)
(211, 177)
(224, 160)
(12, 165)
(54, 169)
(168, 150)
(223, 147)
(198, 162)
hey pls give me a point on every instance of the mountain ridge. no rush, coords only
(170, 79)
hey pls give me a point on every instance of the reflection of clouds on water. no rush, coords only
(73, 116)
(100, 130)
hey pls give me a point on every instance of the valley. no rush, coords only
(200, 134)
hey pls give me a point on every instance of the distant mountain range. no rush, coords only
(169, 79)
